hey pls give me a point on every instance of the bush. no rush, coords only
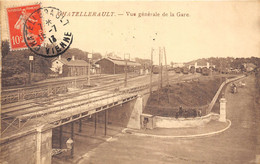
(38, 77)
(15, 80)
(22, 79)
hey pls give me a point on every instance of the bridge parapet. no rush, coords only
(212, 103)
(69, 112)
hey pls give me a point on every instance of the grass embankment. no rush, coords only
(257, 107)
(194, 94)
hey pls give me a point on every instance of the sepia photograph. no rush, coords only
(128, 82)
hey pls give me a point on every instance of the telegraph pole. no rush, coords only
(159, 80)
(159, 77)
(1, 92)
(125, 73)
(151, 72)
(72, 137)
(167, 77)
(161, 68)
(126, 68)
(30, 68)
(89, 67)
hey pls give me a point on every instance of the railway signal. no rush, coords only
(30, 69)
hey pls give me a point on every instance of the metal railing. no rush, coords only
(215, 98)
(101, 103)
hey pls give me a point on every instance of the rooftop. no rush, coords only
(120, 61)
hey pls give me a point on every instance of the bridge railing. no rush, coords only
(215, 98)
(72, 111)
(36, 92)
(46, 89)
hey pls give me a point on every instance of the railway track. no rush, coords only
(59, 81)
(26, 106)
(8, 108)
(83, 96)
(47, 89)
(49, 108)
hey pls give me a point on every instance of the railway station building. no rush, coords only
(70, 66)
(111, 65)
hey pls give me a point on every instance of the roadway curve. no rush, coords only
(237, 145)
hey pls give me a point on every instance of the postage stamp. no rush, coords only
(50, 38)
(17, 17)
(44, 30)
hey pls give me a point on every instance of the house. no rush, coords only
(109, 65)
(69, 67)
(201, 64)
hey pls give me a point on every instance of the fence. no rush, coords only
(219, 91)
(26, 93)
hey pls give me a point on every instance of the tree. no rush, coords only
(96, 56)
(5, 48)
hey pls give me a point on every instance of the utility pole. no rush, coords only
(89, 67)
(151, 72)
(161, 56)
(30, 68)
(1, 92)
(125, 73)
(106, 121)
(126, 69)
(96, 121)
(221, 69)
(30, 64)
(159, 77)
(60, 138)
(167, 77)
(159, 67)
(72, 137)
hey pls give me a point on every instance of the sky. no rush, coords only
(211, 29)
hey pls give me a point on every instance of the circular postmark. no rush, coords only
(47, 32)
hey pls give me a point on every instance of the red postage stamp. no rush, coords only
(17, 16)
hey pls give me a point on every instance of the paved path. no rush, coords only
(236, 145)
(211, 128)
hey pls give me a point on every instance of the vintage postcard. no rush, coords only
(115, 82)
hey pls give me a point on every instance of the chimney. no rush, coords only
(59, 57)
(73, 58)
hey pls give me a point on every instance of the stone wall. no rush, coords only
(135, 117)
(170, 122)
(118, 115)
(127, 114)
(31, 147)
(44, 146)
(20, 149)
(35, 146)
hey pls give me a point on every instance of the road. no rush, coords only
(236, 145)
